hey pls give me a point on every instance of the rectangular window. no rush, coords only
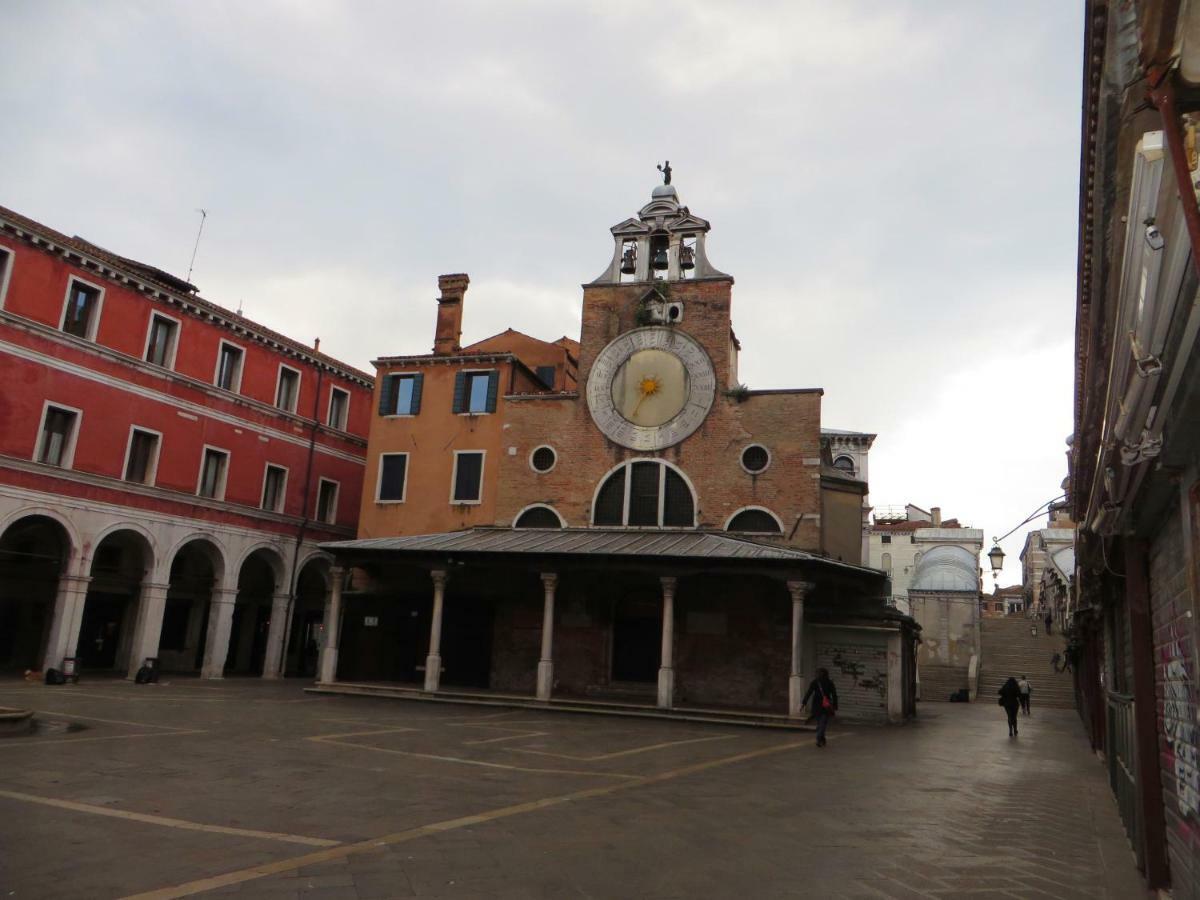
(545, 375)
(393, 477)
(6, 261)
(287, 391)
(56, 445)
(212, 474)
(160, 342)
(141, 460)
(229, 367)
(475, 392)
(886, 539)
(643, 493)
(468, 476)
(327, 497)
(274, 487)
(400, 395)
(82, 310)
(339, 406)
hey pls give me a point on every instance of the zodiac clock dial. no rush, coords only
(651, 388)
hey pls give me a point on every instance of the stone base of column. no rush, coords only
(272, 675)
(433, 672)
(545, 679)
(211, 676)
(666, 688)
(795, 695)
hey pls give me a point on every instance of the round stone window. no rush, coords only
(543, 459)
(755, 459)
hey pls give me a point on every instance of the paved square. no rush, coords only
(257, 789)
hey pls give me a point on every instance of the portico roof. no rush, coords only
(688, 546)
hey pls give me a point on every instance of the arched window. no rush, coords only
(646, 493)
(886, 562)
(845, 464)
(754, 521)
(538, 517)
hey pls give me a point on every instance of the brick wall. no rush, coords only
(1173, 617)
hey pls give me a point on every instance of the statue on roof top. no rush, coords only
(665, 168)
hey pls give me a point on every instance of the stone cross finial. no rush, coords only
(665, 168)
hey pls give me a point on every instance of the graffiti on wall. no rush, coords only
(1179, 717)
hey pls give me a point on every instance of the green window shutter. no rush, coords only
(460, 392)
(418, 381)
(493, 389)
(387, 394)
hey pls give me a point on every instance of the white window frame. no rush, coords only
(454, 477)
(94, 324)
(220, 495)
(337, 494)
(279, 381)
(267, 467)
(662, 495)
(562, 521)
(738, 512)
(407, 473)
(169, 362)
(7, 273)
(467, 393)
(68, 456)
(345, 409)
(742, 463)
(534, 468)
(152, 465)
(237, 385)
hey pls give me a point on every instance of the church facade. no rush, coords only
(613, 520)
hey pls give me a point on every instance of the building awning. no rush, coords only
(696, 547)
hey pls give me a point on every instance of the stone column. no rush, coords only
(220, 622)
(63, 638)
(545, 672)
(433, 662)
(666, 671)
(148, 626)
(328, 663)
(272, 667)
(798, 590)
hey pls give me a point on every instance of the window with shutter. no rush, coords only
(393, 477)
(468, 476)
(460, 392)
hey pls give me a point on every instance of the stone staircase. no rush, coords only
(1009, 649)
(939, 682)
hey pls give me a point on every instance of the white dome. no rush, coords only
(946, 568)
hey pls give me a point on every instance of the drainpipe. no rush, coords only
(1162, 96)
(291, 605)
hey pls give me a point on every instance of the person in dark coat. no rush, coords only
(1010, 699)
(1049, 624)
(824, 702)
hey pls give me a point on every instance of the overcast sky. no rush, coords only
(894, 187)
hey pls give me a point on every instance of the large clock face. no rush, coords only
(651, 388)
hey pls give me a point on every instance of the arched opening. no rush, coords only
(754, 521)
(538, 517)
(33, 554)
(195, 571)
(119, 565)
(257, 582)
(845, 464)
(645, 493)
(308, 615)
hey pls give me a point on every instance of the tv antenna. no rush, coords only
(200, 231)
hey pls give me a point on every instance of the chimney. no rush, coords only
(936, 512)
(449, 318)
(316, 345)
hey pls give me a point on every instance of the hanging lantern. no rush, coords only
(996, 557)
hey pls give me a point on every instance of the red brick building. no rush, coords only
(167, 469)
(618, 518)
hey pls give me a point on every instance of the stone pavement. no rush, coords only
(257, 790)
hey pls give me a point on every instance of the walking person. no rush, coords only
(1010, 699)
(824, 702)
(1049, 623)
(1054, 661)
(1026, 689)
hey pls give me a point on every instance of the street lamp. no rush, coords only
(996, 557)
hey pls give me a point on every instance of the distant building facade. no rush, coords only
(167, 469)
(1041, 548)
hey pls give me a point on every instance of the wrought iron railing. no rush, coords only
(1122, 764)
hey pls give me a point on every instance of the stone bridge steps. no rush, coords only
(1010, 648)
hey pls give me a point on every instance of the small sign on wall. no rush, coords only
(370, 621)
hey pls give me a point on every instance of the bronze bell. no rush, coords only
(629, 261)
(687, 257)
(660, 259)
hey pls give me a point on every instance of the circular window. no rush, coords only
(543, 459)
(755, 459)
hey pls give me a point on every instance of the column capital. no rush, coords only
(224, 595)
(549, 580)
(668, 584)
(440, 577)
(155, 586)
(336, 572)
(800, 589)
